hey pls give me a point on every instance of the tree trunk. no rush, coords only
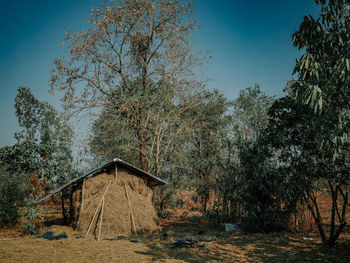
(143, 159)
(332, 239)
(334, 206)
(71, 215)
(313, 208)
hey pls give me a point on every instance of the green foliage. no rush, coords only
(270, 185)
(259, 188)
(323, 81)
(43, 146)
(117, 130)
(258, 191)
(266, 194)
(11, 195)
(17, 164)
(20, 157)
(42, 154)
(250, 112)
(294, 131)
(31, 218)
(223, 147)
(323, 70)
(208, 143)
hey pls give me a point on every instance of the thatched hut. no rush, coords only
(113, 199)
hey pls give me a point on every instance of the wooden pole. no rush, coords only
(63, 209)
(116, 172)
(131, 213)
(93, 218)
(99, 232)
(82, 197)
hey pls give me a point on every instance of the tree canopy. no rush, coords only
(41, 158)
(323, 71)
(135, 55)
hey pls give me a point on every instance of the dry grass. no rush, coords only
(218, 247)
(70, 250)
(124, 200)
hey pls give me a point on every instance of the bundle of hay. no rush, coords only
(107, 205)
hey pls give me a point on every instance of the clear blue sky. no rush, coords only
(250, 42)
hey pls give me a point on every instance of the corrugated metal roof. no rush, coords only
(155, 179)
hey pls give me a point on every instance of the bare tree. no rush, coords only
(131, 50)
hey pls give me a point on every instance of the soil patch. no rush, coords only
(215, 246)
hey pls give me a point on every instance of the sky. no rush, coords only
(250, 42)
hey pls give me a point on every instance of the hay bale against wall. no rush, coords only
(116, 219)
(112, 200)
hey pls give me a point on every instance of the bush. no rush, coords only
(11, 196)
(266, 193)
(30, 223)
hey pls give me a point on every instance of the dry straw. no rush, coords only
(107, 207)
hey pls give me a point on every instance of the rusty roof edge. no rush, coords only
(60, 188)
(92, 172)
(117, 160)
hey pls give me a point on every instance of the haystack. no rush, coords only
(113, 200)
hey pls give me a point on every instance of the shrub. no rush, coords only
(30, 224)
(11, 196)
(266, 193)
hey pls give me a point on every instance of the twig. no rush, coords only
(97, 208)
(82, 197)
(99, 232)
(131, 213)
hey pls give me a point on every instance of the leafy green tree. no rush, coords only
(323, 71)
(323, 77)
(220, 144)
(11, 195)
(267, 186)
(265, 194)
(285, 165)
(18, 166)
(208, 143)
(291, 133)
(246, 186)
(48, 139)
(40, 159)
(250, 112)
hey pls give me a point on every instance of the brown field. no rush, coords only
(218, 245)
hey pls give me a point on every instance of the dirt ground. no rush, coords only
(218, 247)
(214, 244)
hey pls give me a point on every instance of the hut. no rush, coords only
(112, 200)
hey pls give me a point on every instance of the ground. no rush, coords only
(215, 245)
(159, 247)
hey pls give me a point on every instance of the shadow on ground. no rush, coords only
(222, 247)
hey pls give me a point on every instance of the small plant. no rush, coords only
(30, 224)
